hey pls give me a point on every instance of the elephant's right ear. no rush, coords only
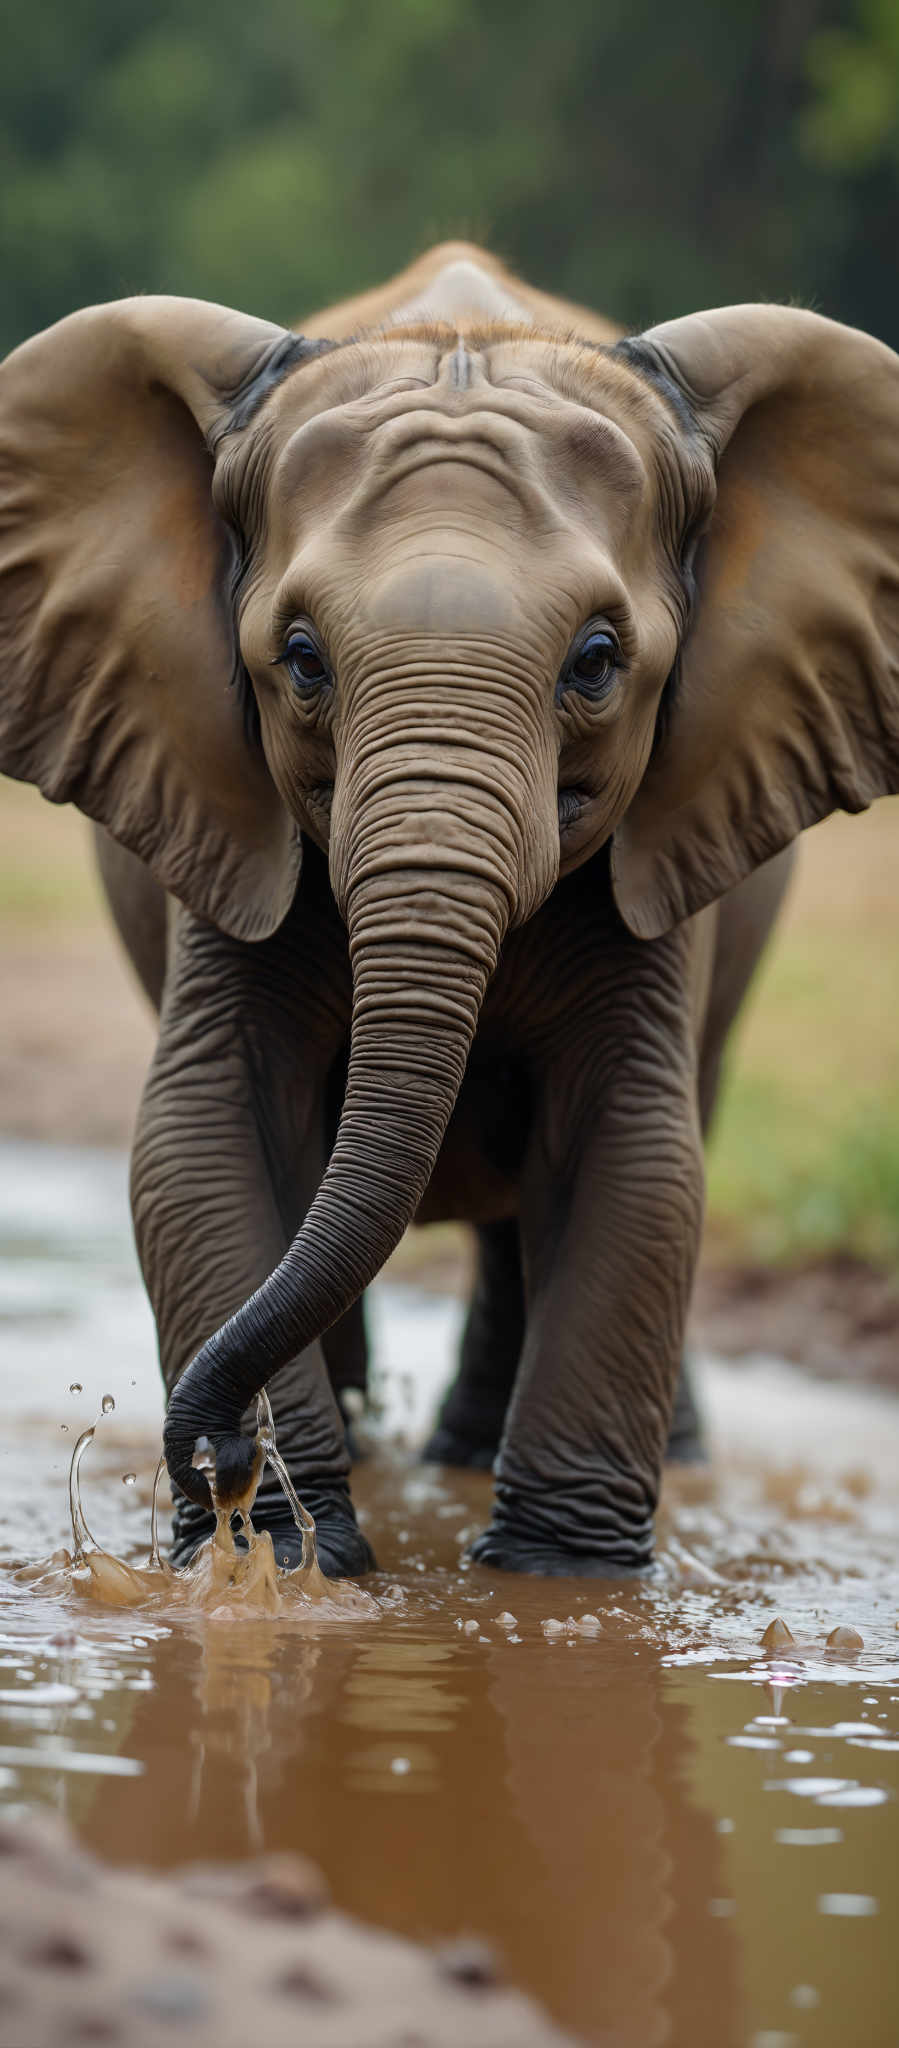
(118, 657)
(785, 706)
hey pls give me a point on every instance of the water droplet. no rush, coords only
(75, 1387)
(107, 1405)
(65, 1428)
(470, 1628)
(129, 1478)
(400, 1765)
(506, 1620)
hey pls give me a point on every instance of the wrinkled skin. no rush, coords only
(587, 634)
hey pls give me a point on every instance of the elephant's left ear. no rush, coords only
(118, 654)
(786, 704)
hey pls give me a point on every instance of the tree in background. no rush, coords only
(647, 160)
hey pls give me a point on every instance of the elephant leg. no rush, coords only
(611, 1218)
(345, 1347)
(471, 1415)
(229, 1122)
(686, 1436)
(744, 921)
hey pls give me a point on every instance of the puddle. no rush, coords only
(671, 1833)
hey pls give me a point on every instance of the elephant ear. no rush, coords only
(118, 657)
(786, 702)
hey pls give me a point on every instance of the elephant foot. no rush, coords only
(505, 1552)
(447, 1445)
(343, 1551)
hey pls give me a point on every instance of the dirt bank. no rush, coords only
(219, 1956)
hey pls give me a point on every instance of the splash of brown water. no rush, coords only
(220, 1580)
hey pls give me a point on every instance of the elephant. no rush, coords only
(451, 681)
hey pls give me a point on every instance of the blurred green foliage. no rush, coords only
(803, 1157)
(645, 159)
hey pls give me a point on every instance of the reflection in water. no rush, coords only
(675, 1832)
(650, 1819)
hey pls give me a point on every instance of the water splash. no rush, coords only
(226, 1576)
(154, 1561)
(266, 1438)
(82, 1540)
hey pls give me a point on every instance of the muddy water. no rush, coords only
(673, 1834)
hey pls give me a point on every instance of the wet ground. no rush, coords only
(673, 1833)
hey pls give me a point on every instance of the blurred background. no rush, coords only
(645, 160)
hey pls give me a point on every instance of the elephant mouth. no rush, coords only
(571, 805)
(319, 800)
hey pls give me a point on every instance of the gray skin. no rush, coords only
(463, 911)
(532, 1126)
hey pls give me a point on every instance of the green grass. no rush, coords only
(47, 873)
(782, 1190)
(804, 1156)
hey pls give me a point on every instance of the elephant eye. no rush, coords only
(591, 665)
(305, 663)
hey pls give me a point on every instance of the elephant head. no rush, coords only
(462, 610)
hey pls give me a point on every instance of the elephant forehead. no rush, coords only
(560, 461)
(442, 595)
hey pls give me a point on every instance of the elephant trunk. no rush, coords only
(428, 876)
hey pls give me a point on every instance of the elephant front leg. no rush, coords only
(610, 1228)
(228, 1142)
(686, 1436)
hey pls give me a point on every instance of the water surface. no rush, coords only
(671, 1834)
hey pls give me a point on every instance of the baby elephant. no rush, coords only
(456, 676)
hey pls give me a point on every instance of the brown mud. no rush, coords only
(670, 1830)
(217, 1958)
(837, 1315)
